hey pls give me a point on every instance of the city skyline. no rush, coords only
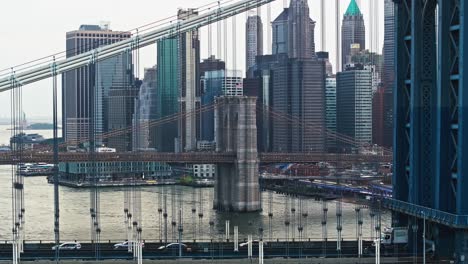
(53, 39)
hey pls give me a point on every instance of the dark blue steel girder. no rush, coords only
(431, 118)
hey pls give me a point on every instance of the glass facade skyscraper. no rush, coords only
(167, 93)
(145, 112)
(354, 104)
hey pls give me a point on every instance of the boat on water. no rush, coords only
(36, 169)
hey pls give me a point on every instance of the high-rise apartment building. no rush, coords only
(85, 91)
(353, 32)
(354, 105)
(189, 101)
(253, 42)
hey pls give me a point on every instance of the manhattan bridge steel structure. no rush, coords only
(431, 124)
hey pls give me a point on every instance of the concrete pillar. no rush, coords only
(237, 188)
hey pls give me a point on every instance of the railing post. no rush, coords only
(236, 238)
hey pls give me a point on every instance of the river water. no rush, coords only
(75, 218)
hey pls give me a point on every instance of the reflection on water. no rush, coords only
(75, 219)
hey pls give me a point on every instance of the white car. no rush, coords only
(125, 245)
(68, 246)
(254, 242)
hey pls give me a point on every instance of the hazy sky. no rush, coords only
(32, 29)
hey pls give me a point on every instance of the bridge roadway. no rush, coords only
(189, 157)
(206, 250)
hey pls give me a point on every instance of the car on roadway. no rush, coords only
(254, 242)
(124, 245)
(68, 246)
(175, 247)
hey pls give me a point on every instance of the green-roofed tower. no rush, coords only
(353, 9)
(353, 32)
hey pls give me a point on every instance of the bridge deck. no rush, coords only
(190, 157)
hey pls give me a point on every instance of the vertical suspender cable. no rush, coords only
(16, 138)
(225, 37)
(268, 49)
(323, 26)
(337, 37)
(56, 172)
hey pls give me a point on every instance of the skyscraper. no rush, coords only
(354, 104)
(189, 101)
(330, 111)
(300, 31)
(293, 85)
(253, 42)
(388, 76)
(144, 136)
(280, 33)
(85, 89)
(167, 93)
(211, 64)
(217, 83)
(353, 32)
(324, 56)
(119, 101)
(299, 100)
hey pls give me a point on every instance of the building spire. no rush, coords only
(353, 9)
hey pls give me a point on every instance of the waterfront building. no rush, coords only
(253, 42)
(204, 170)
(84, 173)
(353, 32)
(354, 104)
(85, 89)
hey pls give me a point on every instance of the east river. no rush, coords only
(75, 216)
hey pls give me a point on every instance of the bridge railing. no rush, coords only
(441, 217)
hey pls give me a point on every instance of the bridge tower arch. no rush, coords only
(237, 188)
(431, 122)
